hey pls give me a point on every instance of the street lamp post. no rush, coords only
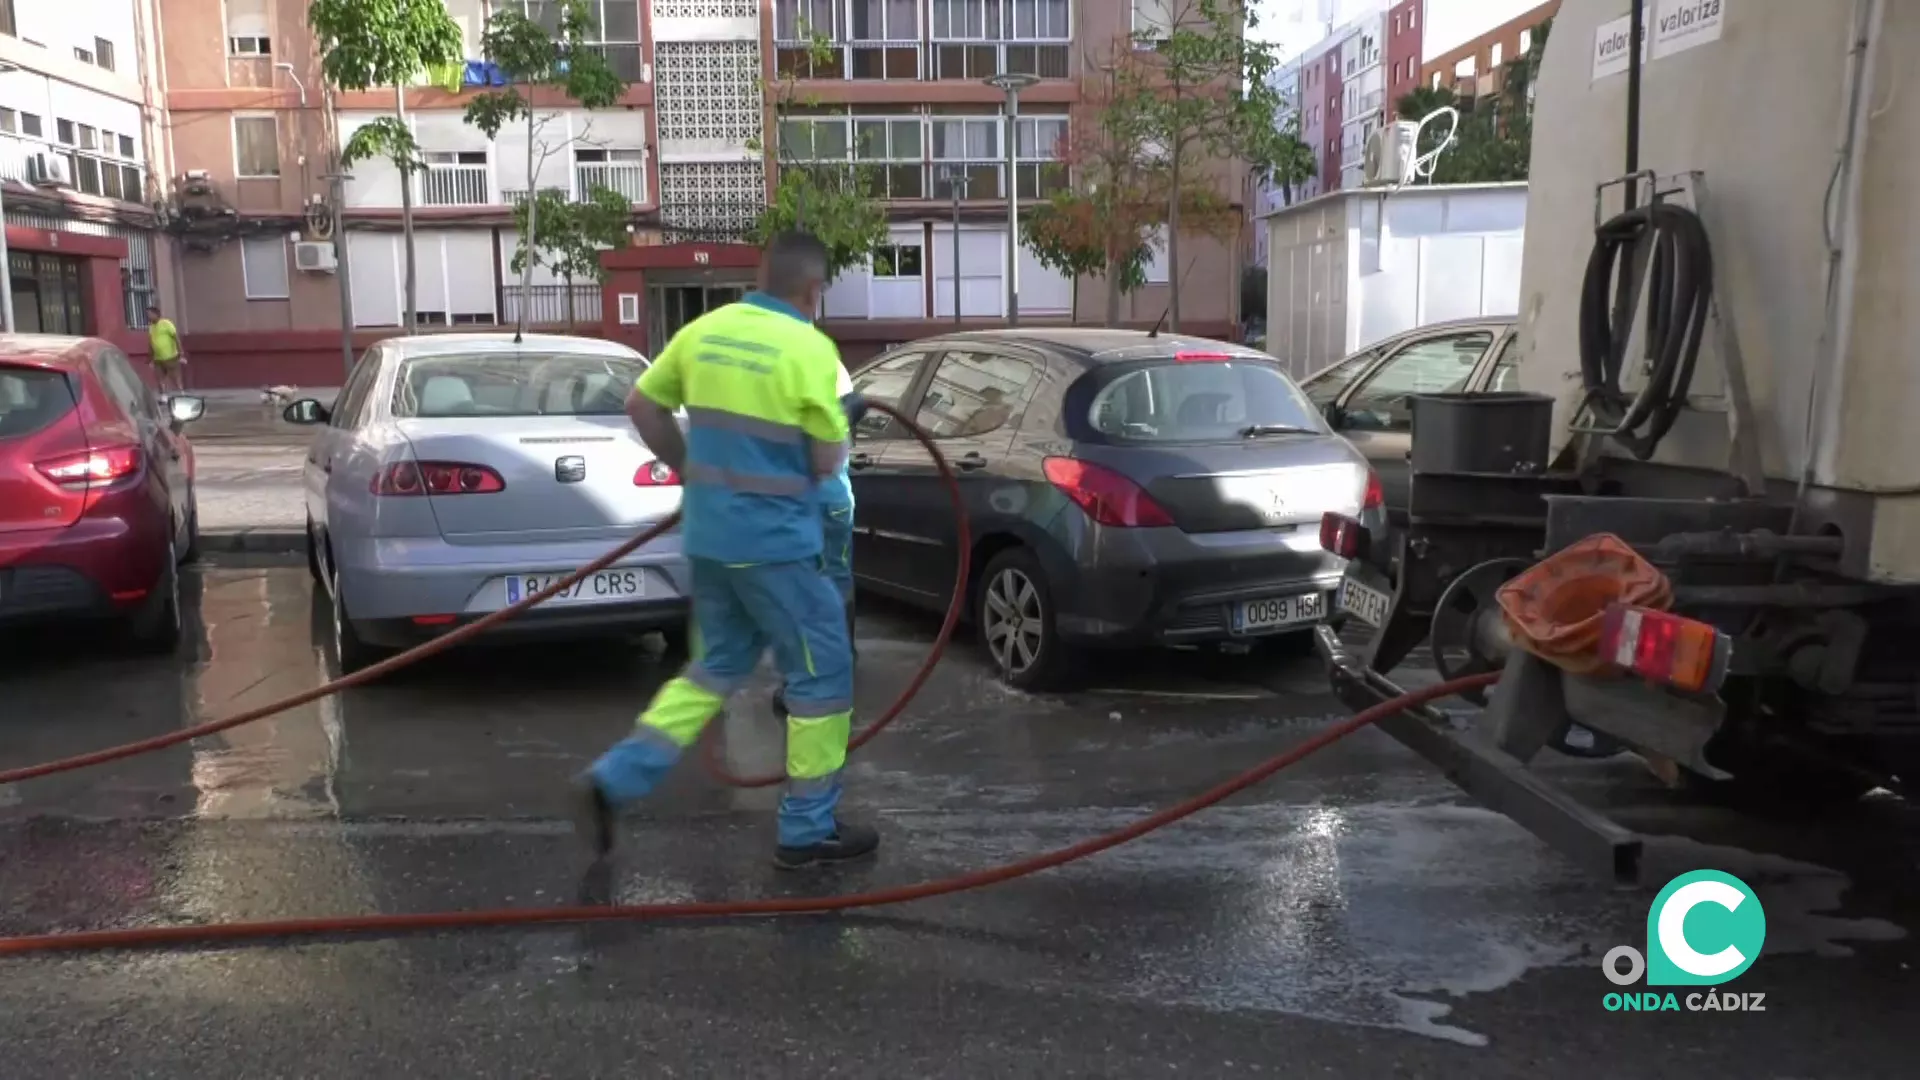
(956, 177)
(6, 257)
(1011, 84)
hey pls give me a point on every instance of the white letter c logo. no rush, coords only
(1673, 933)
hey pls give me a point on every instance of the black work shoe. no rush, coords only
(847, 842)
(593, 817)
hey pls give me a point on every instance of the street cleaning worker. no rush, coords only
(764, 428)
(163, 339)
(836, 529)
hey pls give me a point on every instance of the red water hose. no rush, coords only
(221, 933)
(481, 625)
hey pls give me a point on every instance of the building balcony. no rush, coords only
(976, 60)
(626, 178)
(455, 185)
(894, 60)
(910, 61)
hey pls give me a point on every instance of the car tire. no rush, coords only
(313, 556)
(354, 654)
(191, 552)
(1013, 610)
(158, 627)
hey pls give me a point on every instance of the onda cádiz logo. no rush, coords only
(1705, 928)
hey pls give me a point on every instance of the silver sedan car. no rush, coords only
(457, 473)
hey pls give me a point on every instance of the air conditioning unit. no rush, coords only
(314, 257)
(48, 170)
(1390, 153)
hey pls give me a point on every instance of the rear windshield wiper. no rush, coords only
(1254, 431)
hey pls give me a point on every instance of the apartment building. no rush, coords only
(1472, 67)
(695, 144)
(1405, 34)
(1363, 92)
(86, 252)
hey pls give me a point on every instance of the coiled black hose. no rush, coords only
(1679, 298)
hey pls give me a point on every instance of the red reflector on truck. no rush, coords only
(1683, 653)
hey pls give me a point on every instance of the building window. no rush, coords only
(623, 171)
(974, 39)
(1396, 23)
(1526, 42)
(247, 31)
(1413, 16)
(455, 178)
(103, 53)
(892, 261)
(1493, 61)
(973, 146)
(85, 56)
(1152, 20)
(63, 130)
(126, 147)
(890, 149)
(1436, 80)
(263, 267)
(30, 125)
(1464, 69)
(1041, 143)
(1156, 268)
(7, 24)
(49, 293)
(256, 146)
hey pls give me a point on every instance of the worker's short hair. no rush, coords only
(153, 309)
(795, 261)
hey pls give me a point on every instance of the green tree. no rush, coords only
(571, 236)
(530, 56)
(369, 44)
(832, 199)
(1105, 222)
(1494, 140)
(1206, 95)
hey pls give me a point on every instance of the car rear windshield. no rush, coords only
(31, 399)
(1201, 402)
(515, 384)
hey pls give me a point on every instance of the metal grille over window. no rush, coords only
(710, 200)
(706, 9)
(707, 96)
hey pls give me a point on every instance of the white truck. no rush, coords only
(1719, 331)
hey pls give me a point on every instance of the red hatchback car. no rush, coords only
(96, 489)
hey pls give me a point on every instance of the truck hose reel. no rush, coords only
(1679, 299)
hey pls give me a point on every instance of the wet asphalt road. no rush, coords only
(1354, 917)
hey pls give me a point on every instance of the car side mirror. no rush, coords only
(305, 411)
(184, 409)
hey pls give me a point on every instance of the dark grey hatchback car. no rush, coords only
(1124, 489)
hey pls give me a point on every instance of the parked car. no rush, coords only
(96, 489)
(1364, 396)
(456, 474)
(1123, 488)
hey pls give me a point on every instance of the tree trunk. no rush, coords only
(1173, 245)
(1113, 294)
(533, 213)
(411, 324)
(572, 324)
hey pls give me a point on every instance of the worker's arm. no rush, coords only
(822, 416)
(650, 406)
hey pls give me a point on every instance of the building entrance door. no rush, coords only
(670, 307)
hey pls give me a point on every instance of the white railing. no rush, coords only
(626, 178)
(548, 305)
(454, 185)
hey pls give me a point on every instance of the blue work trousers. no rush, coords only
(739, 612)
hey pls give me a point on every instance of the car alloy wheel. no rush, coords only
(1014, 621)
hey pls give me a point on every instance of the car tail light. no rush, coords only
(656, 474)
(1683, 653)
(1200, 357)
(1342, 535)
(1106, 496)
(406, 478)
(1376, 496)
(89, 468)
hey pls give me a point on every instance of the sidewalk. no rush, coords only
(248, 467)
